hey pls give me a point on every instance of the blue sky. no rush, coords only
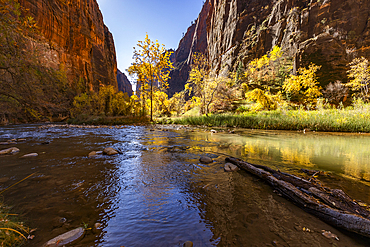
(130, 20)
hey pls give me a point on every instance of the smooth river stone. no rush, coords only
(66, 238)
(110, 151)
(205, 160)
(230, 167)
(97, 228)
(4, 180)
(9, 151)
(30, 155)
(95, 153)
(188, 244)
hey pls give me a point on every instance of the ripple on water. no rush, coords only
(156, 193)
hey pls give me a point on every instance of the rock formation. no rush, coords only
(76, 39)
(329, 33)
(195, 40)
(124, 84)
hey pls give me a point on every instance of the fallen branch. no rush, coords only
(332, 206)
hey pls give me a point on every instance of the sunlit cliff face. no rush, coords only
(76, 39)
(328, 33)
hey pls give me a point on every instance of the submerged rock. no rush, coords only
(30, 155)
(4, 180)
(66, 238)
(9, 151)
(110, 151)
(188, 244)
(95, 153)
(205, 160)
(230, 167)
(97, 228)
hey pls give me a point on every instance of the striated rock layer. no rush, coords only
(195, 40)
(328, 33)
(76, 39)
(124, 84)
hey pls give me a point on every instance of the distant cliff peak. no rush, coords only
(124, 84)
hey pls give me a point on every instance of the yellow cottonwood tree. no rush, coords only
(360, 73)
(152, 66)
(304, 85)
(268, 71)
(200, 84)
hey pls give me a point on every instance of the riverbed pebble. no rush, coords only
(62, 220)
(30, 155)
(188, 244)
(95, 153)
(97, 228)
(110, 151)
(66, 238)
(4, 180)
(205, 160)
(230, 167)
(12, 150)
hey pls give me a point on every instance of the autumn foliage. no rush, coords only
(151, 67)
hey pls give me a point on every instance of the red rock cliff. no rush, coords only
(195, 40)
(76, 37)
(327, 32)
(124, 84)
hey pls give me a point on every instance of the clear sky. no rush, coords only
(163, 20)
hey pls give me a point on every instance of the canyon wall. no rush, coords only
(75, 39)
(124, 84)
(194, 40)
(329, 33)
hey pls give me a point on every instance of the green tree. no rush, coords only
(152, 67)
(360, 73)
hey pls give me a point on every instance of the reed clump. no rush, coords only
(12, 232)
(350, 119)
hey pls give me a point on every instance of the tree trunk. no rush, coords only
(332, 206)
(151, 100)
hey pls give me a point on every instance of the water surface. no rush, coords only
(156, 193)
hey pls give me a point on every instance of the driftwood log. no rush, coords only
(330, 205)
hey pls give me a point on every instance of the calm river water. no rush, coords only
(158, 194)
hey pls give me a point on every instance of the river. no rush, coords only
(156, 193)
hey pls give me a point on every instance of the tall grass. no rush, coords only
(12, 232)
(353, 119)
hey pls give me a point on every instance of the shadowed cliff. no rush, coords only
(329, 33)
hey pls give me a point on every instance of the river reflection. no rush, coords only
(156, 193)
(344, 154)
